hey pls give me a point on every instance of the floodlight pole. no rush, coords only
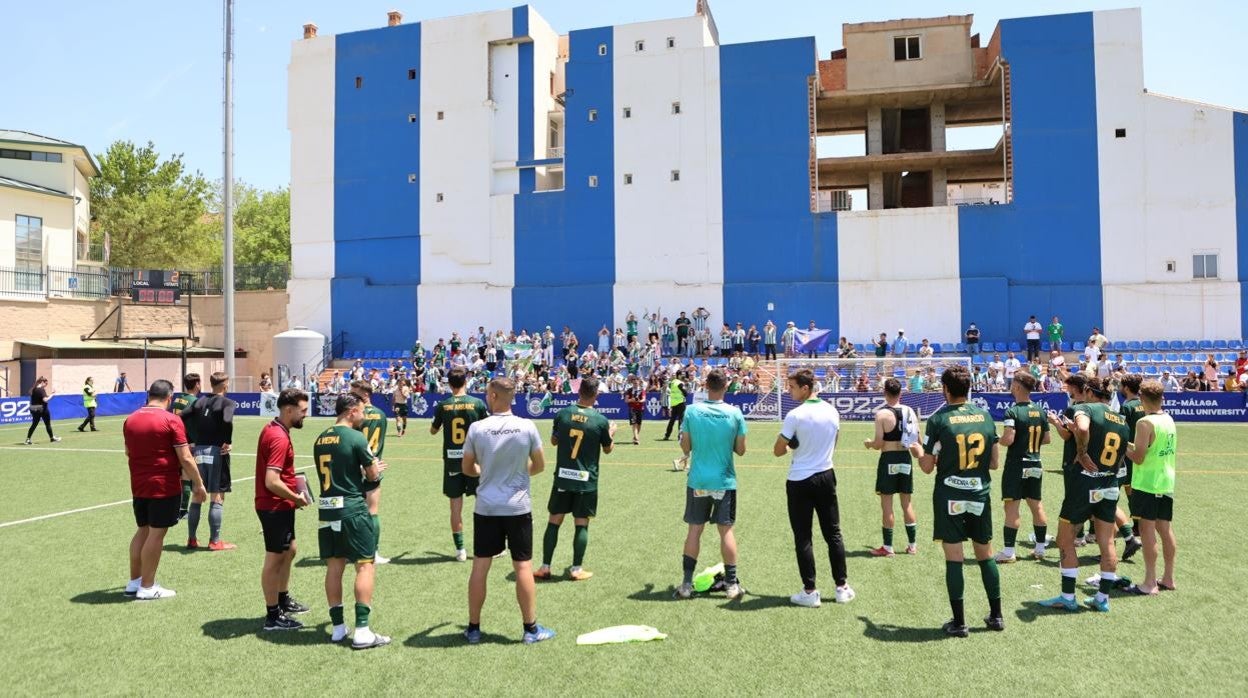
(227, 196)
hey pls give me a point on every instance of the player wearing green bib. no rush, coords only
(374, 429)
(581, 435)
(180, 405)
(1026, 430)
(1152, 486)
(1090, 472)
(457, 413)
(961, 447)
(344, 465)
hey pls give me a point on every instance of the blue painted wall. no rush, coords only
(775, 249)
(1240, 122)
(565, 241)
(376, 209)
(1041, 253)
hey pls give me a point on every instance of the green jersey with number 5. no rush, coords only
(581, 432)
(961, 437)
(453, 416)
(341, 454)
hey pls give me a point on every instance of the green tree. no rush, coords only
(152, 209)
(261, 223)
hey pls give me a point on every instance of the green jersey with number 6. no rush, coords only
(1030, 425)
(341, 454)
(453, 416)
(961, 437)
(581, 432)
(374, 429)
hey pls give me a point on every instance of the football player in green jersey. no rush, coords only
(1090, 471)
(580, 434)
(961, 446)
(457, 413)
(344, 465)
(180, 406)
(1026, 430)
(373, 427)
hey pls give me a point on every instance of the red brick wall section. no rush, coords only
(832, 75)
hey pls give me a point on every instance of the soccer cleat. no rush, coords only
(1080, 541)
(539, 634)
(1003, 559)
(192, 544)
(636, 442)
(845, 594)
(542, 573)
(1037, 554)
(377, 641)
(1060, 602)
(473, 636)
(1098, 606)
(379, 559)
(154, 593)
(954, 630)
(809, 599)
(55, 439)
(132, 587)
(293, 606)
(461, 555)
(1132, 547)
(684, 591)
(734, 591)
(282, 622)
(679, 464)
(997, 624)
(580, 575)
(80, 428)
(1093, 581)
(912, 549)
(221, 545)
(29, 443)
(882, 552)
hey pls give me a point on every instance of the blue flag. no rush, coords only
(813, 340)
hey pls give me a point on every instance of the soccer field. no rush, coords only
(71, 631)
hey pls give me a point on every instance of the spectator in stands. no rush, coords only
(900, 345)
(738, 339)
(916, 381)
(812, 354)
(1104, 367)
(881, 350)
(725, 340)
(1191, 381)
(789, 339)
(683, 324)
(769, 340)
(979, 382)
(996, 365)
(1230, 385)
(1036, 370)
(1057, 363)
(925, 352)
(121, 386)
(1211, 372)
(1120, 364)
(1052, 383)
(1056, 331)
(1096, 345)
(753, 338)
(972, 339)
(294, 382)
(604, 340)
(845, 349)
(1241, 365)
(1032, 331)
(996, 381)
(1012, 366)
(862, 385)
(266, 382)
(1170, 383)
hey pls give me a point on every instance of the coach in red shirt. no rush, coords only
(160, 459)
(277, 498)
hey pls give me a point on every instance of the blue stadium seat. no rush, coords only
(1220, 344)
(959, 347)
(1191, 345)
(936, 349)
(1163, 345)
(1185, 357)
(1205, 345)
(1148, 346)
(407, 354)
(1118, 346)
(977, 359)
(1174, 358)
(1045, 346)
(1150, 370)
(1133, 345)
(370, 354)
(1133, 368)
(351, 354)
(999, 346)
(1077, 347)
(949, 348)
(1129, 358)
(1235, 344)
(860, 348)
(1015, 347)
(1158, 357)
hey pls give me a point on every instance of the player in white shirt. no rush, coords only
(810, 431)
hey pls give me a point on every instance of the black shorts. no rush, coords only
(400, 410)
(1152, 507)
(159, 512)
(636, 415)
(493, 534)
(456, 484)
(278, 528)
(706, 509)
(581, 505)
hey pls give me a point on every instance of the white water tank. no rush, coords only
(297, 352)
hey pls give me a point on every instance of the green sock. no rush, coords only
(549, 541)
(458, 537)
(361, 615)
(186, 497)
(912, 532)
(1011, 535)
(992, 577)
(376, 532)
(888, 537)
(579, 542)
(953, 580)
(1126, 531)
(335, 615)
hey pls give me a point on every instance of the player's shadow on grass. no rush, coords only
(309, 562)
(234, 628)
(425, 639)
(751, 602)
(650, 593)
(430, 558)
(865, 553)
(896, 633)
(179, 549)
(103, 596)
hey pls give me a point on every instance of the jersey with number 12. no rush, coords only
(962, 437)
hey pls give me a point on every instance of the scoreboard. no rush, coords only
(155, 286)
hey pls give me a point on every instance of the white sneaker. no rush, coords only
(155, 592)
(461, 555)
(340, 633)
(809, 599)
(379, 559)
(1080, 541)
(734, 591)
(133, 586)
(684, 591)
(1004, 558)
(1093, 581)
(678, 464)
(845, 594)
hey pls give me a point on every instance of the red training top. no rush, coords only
(151, 436)
(277, 453)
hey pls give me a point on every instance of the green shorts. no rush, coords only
(581, 505)
(894, 482)
(1089, 498)
(953, 521)
(1152, 507)
(355, 538)
(455, 484)
(1022, 480)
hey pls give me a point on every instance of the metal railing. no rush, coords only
(90, 281)
(23, 282)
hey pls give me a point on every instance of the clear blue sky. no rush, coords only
(94, 72)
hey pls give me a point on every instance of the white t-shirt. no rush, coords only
(502, 444)
(1033, 330)
(815, 423)
(1011, 366)
(1104, 368)
(997, 366)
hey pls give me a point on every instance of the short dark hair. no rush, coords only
(589, 387)
(716, 381)
(1078, 381)
(345, 403)
(159, 390)
(291, 397)
(1132, 382)
(457, 377)
(803, 377)
(363, 386)
(190, 382)
(1099, 388)
(892, 387)
(1025, 379)
(218, 379)
(956, 380)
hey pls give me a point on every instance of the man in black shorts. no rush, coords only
(278, 495)
(213, 420)
(635, 398)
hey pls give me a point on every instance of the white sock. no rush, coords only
(363, 636)
(889, 548)
(575, 568)
(340, 631)
(1008, 551)
(1040, 547)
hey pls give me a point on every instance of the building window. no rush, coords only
(1171, 265)
(593, 181)
(675, 107)
(35, 155)
(602, 49)
(28, 253)
(639, 46)
(411, 118)
(411, 73)
(671, 42)
(593, 114)
(1120, 133)
(628, 112)
(439, 197)
(441, 115)
(628, 179)
(906, 48)
(675, 175)
(411, 178)
(359, 82)
(1205, 266)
